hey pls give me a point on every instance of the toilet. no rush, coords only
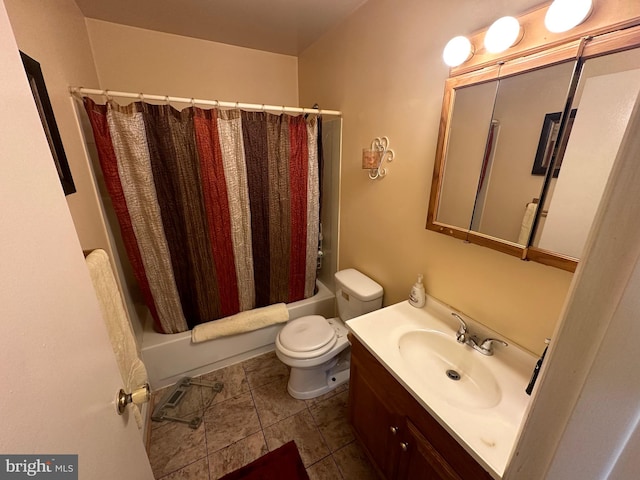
(317, 348)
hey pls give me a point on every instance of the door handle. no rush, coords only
(139, 396)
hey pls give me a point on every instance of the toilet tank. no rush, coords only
(356, 294)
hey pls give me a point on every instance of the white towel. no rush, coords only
(132, 370)
(240, 323)
(527, 223)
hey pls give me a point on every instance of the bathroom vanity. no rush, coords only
(413, 420)
(402, 439)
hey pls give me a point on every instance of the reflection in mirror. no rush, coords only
(469, 127)
(607, 93)
(505, 206)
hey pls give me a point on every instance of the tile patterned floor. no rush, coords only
(253, 415)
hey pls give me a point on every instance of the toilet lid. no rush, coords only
(306, 334)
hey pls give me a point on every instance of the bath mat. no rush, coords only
(283, 463)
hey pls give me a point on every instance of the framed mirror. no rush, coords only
(470, 125)
(507, 188)
(526, 180)
(607, 91)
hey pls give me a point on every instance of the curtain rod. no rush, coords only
(193, 101)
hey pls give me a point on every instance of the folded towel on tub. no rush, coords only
(240, 323)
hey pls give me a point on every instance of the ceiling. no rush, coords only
(280, 26)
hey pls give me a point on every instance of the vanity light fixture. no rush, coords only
(457, 51)
(502, 34)
(563, 15)
(372, 158)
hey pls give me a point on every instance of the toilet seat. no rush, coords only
(307, 337)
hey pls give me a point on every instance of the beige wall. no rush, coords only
(383, 69)
(53, 33)
(137, 60)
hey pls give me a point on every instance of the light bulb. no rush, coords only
(502, 34)
(563, 15)
(457, 51)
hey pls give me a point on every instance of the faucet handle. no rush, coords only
(487, 345)
(461, 334)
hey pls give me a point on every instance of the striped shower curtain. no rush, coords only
(218, 209)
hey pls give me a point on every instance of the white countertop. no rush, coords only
(488, 434)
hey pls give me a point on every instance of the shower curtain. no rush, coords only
(218, 209)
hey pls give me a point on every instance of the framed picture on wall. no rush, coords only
(41, 98)
(547, 143)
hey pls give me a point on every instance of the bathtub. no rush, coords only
(169, 357)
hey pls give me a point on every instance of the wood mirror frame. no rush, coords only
(613, 26)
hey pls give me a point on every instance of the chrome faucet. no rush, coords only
(486, 348)
(463, 331)
(463, 336)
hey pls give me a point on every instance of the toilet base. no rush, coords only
(306, 383)
(333, 382)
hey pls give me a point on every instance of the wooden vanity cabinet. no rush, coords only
(400, 437)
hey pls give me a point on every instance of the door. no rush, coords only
(58, 374)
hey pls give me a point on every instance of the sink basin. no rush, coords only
(451, 370)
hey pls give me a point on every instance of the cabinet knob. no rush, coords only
(394, 430)
(404, 446)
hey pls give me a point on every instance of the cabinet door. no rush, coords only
(376, 425)
(419, 460)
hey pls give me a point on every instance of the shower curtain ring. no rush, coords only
(141, 95)
(193, 102)
(237, 105)
(166, 99)
(107, 96)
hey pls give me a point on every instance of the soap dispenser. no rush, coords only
(418, 296)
